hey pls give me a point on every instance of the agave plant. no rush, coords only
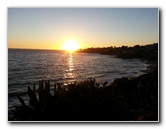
(45, 102)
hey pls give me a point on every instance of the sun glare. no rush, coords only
(70, 45)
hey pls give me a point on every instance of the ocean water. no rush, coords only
(26, 67)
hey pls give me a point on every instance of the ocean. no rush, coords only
(26, 67)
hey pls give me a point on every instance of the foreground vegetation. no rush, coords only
(126, 99)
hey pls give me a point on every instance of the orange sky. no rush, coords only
(49, 28)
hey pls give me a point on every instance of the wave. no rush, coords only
(14, 94)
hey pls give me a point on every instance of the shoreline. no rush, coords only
(124, 99)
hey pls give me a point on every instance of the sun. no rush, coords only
(70, 45)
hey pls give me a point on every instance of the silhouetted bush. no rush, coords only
(126, 99)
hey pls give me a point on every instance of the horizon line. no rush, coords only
(79, 48)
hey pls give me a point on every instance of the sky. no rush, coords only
(49, 28)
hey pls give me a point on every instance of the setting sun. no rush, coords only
(70, 45)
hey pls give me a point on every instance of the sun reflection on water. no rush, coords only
(70, 62)
(69, 72)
